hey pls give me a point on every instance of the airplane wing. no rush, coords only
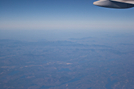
(125, 1)
(120, 4)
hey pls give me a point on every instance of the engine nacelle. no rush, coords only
(113, 4)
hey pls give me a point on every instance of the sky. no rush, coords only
(62, 14)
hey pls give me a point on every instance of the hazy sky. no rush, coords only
(62, 14)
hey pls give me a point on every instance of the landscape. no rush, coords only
(93, 62)
(66, 44)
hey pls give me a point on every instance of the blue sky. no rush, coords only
(62, 14)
